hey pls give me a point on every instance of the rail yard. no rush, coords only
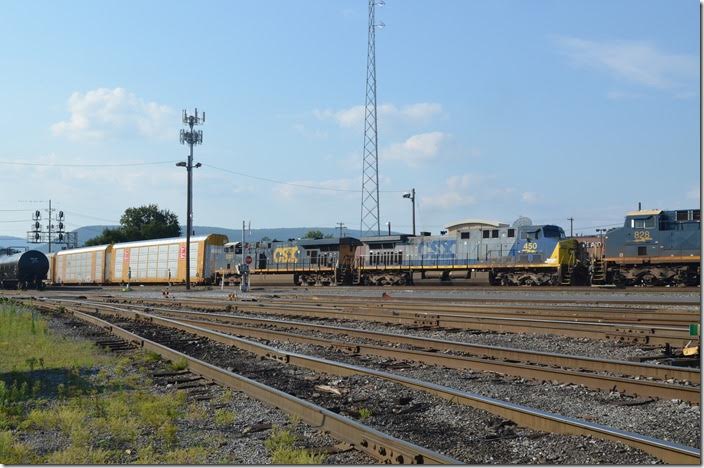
(519, 376)
(507, 273)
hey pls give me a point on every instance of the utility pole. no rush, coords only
(49, 225)
(412, 196)
(341, 225)
(369, 222)
(571, 220)
(190, 137)
(242, 249)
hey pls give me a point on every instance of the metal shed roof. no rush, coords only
(473, 222)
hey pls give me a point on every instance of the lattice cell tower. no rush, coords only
(369, 223)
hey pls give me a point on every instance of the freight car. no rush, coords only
(151, 261)
(23, 270)
(521, 254)
(653, 248)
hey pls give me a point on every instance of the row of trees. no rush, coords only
(141, 223)
(149, 222)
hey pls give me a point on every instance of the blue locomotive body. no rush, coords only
(527, 254)
(654, 247)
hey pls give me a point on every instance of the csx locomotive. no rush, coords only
(653, 248)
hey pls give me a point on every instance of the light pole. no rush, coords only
(190, 137)
(601, 233)
(412, 196)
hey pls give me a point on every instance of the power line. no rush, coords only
(90, 164)
(293, 184)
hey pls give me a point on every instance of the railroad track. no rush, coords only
(524, 416)
(553, 312)
(381, 446)
(647, 334)
(520, 363)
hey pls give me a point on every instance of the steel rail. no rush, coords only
(595, 381)
(377, 444)
(528, 417)
(653, 335)
(660, 372)
(532, 300)
(576, 313)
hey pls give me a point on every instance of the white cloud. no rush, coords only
(636, 61)
(530, 197)
(415, 149)
(354, 116)
(463, 190)
(102, 113)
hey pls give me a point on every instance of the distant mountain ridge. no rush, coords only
(88, 232)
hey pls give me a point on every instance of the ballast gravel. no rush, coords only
(670, 420)
(237, 442)
(465, 433)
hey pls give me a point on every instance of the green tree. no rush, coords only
(313, 235)
(141, 223)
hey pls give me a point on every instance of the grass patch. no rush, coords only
(179, 364)
(224, 417)
(26, 344)
(364, 414)
(14, 453)
(100, 407)
(283, 452)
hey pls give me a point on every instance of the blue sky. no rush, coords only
(490, 109)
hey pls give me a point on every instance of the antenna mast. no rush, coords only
(369, 222)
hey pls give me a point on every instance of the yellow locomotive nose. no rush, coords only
(564, 253)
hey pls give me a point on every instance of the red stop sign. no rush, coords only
(248, 259)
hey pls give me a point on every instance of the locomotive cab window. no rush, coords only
(643, 223)
(494, 233)
(552, 231)
(696, 215)
(511, 233)
(485, 234)
(682, 215)
(464, 235)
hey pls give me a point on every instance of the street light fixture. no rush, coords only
(412, 196)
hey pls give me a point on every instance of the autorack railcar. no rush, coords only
(156, 261)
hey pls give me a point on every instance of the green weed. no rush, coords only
(224, 417)
(364, 414)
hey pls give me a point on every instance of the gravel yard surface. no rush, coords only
(674, 421)
(528, 341)
(238, 442)
(468, 434)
